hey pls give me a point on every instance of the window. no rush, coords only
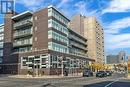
(50, 34)
(35, 17)
(23, 49)
(1, 44)
(23, 41)
(57, 15)
(57, 36)
(1, 36)
(35, 28)
(1, 28)
(1, 52)
(49, 45)
(50, 12)
(50, 23)
(57, 47)
(35, 38)
(23, 31)
(56, 25)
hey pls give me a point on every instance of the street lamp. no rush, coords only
(62, 66)
(62, 70)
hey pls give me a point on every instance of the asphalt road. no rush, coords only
(113, 81)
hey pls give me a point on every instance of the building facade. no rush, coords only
(128, 57)
(122, 56)
(1, 42)
(112, 59)
(42, 43)
(90, 28)
(119, 58)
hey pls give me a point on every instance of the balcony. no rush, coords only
(1, 46)
(78, 46)
(23, 23)
(22, 43)
(77, 39)
(23, 33)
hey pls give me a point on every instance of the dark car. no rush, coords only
(109, 73)
(87, 73)
(101, 74)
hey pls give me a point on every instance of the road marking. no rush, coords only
(112, 82)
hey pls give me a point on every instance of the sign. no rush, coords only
(6, 6)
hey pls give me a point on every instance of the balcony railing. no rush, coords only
(77, 45)
(77, 39)
(23, 23)
(1, 45)
(22, 34)
(22, 43)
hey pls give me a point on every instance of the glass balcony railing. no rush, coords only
(22, 43)
(1, 45)
(23, 33)
(23, 23)
(78, 46)
(77, 39)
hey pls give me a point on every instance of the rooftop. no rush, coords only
(21, 15)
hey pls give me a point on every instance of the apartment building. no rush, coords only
(112, 59)
(122, 57)
(90, 28)
(1, 42)
(41, 42)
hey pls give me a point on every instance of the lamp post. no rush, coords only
(62, 66)
(62, 70)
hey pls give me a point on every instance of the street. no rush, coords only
(116, 80)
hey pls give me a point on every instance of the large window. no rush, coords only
(1, 37)
(23, 21)
(58, 37)
(1, 29)
(56, 25)
(1, 53)
(30, 62)
(57, 47)
(57, 15)
(23, 49)
(22, 41)
(1, 44)
(24, 31)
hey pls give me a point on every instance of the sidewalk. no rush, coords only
(47, 76)
(128, 77)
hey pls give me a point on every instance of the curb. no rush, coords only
(30, 77)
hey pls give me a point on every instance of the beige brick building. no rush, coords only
(92, 30)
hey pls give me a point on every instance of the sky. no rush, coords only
(113, 15)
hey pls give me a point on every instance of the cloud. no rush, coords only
(116, 26)
(63, 2)
(83, 8)
(117, 6)
(33, 5)
(117, 41)
(113, 38)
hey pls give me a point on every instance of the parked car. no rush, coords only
(101, 74)
(109, 73)
(87, 73)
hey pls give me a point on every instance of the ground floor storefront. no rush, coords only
(46, 63)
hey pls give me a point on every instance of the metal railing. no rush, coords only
(22, 23)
